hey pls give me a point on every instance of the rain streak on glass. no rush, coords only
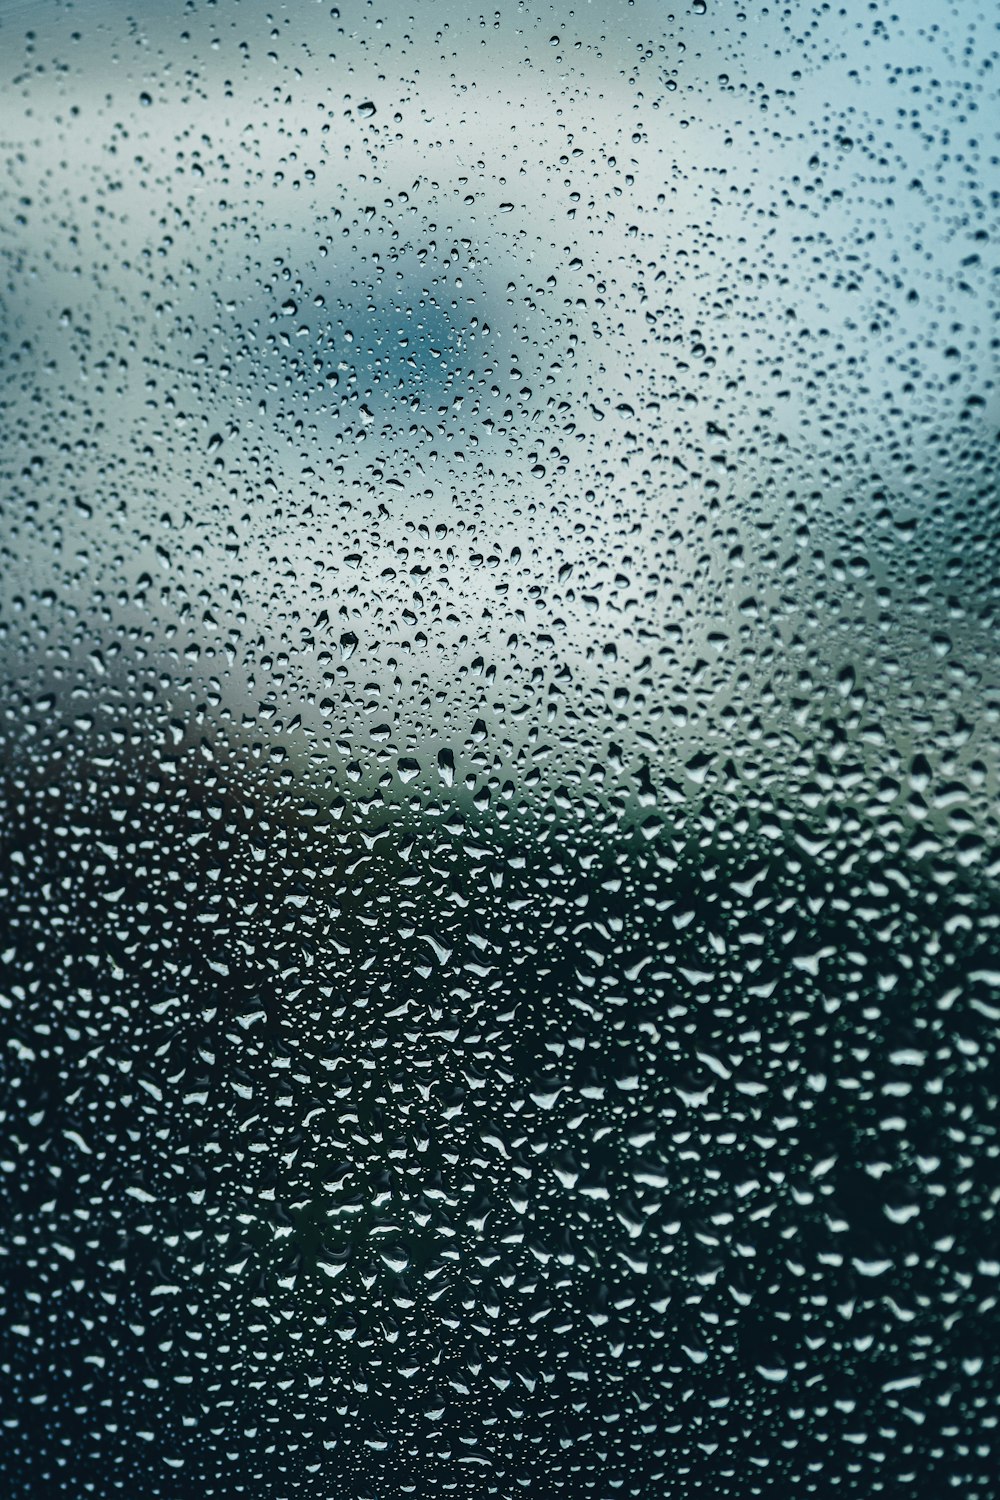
(498, 718)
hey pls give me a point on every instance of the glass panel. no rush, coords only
(499, 723)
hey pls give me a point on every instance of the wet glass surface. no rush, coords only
(498, 716)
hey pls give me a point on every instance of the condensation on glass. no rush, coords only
(499, 723)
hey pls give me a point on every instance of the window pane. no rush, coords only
(499, 719)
